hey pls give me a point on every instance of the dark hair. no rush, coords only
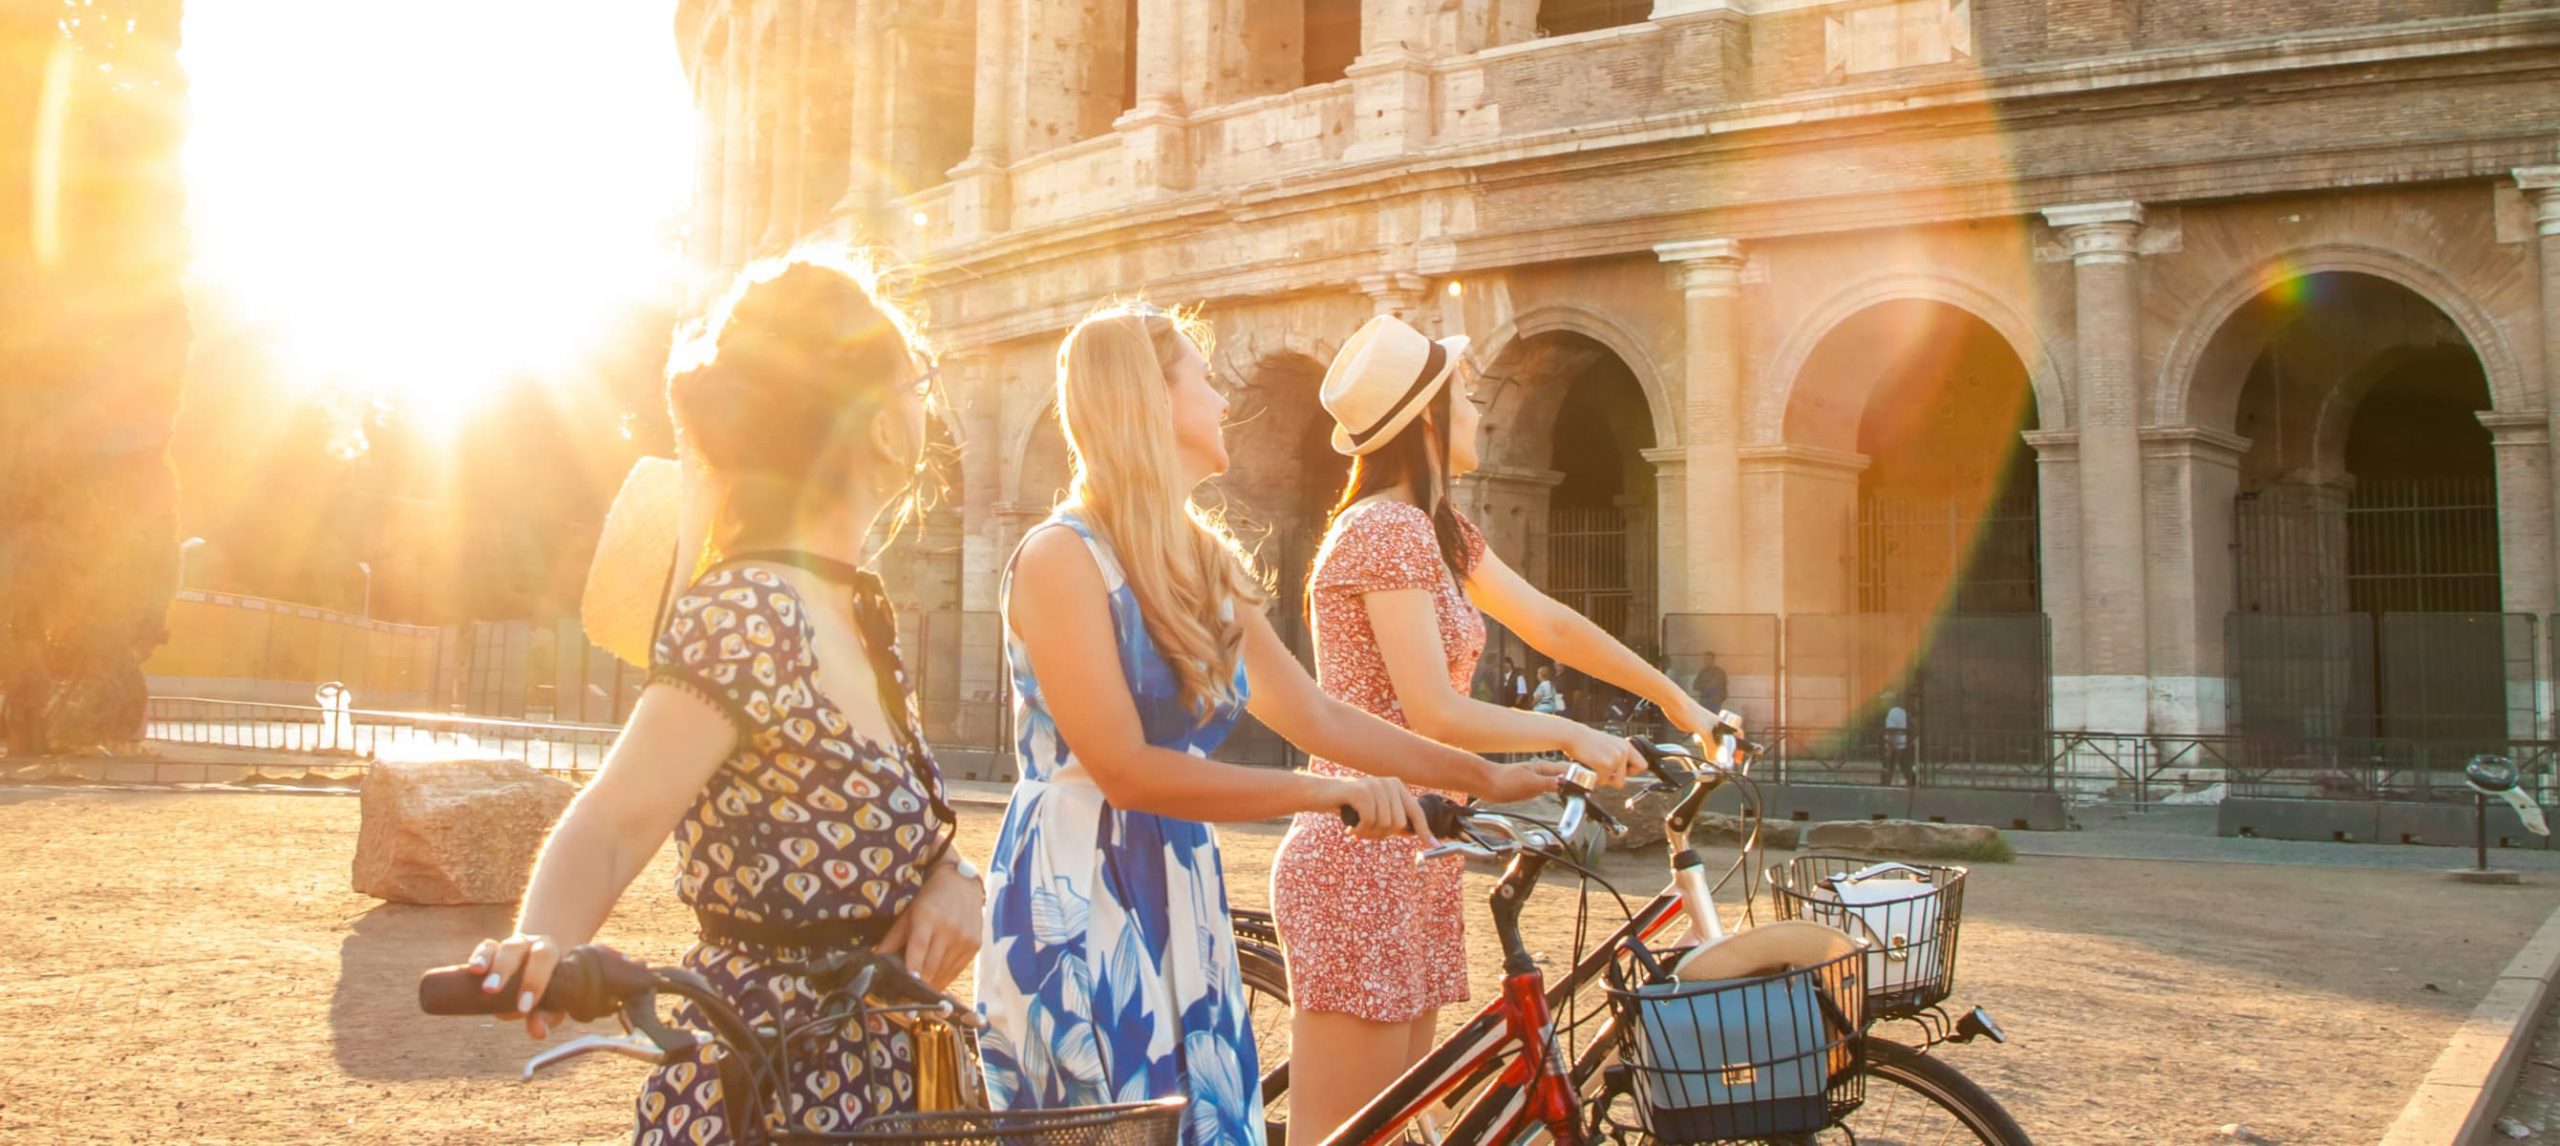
(774, 391)
(1416, 460)
(777, 389)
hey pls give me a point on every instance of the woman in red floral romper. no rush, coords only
(1377, 945)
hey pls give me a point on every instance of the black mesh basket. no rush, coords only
(1724, 1059)
(1911, 912)
(1157, 1123)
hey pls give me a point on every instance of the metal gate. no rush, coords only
(1933, 552)
(2402, 546)
(1600, 567)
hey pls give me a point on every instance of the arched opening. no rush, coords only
(1282, 480)
(1934, 605)
(1566, 17)
(1331, 39)
(2367, 587)
(1567, 494)
(1042, 473)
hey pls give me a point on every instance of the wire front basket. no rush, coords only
(1727, 1059)
(1911, 912)
(1157, 1123)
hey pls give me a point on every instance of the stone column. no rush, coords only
(735, 123)
(1797, 529)
(1710, 275)
(782, 87)
(1154, 136)
(2058, 552)
(1390, 81)
(2521, 443)
(2192, 473)
(1670, 526)
(1510, 505)
(2106, 327)
(976, 388)
(1397, 294)
(863, 184)
(2542, 186)
(980, 194)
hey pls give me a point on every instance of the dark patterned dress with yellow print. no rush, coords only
(810, 836)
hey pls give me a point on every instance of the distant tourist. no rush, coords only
(1897, 741)
(1709, 685)
(1547, 699)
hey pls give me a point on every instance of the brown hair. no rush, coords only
(775, 389)
(1416, 460)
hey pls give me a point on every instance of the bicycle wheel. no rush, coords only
(1912, 1099)
(1266, 994)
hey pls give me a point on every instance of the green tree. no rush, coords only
(93, 354)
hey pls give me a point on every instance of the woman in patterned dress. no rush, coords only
(1136, 638)
(1376, 945)
(775, 738)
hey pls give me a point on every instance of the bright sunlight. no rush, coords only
(421, 201)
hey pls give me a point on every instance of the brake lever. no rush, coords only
(628, 1046)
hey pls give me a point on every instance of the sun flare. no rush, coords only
(421, 201)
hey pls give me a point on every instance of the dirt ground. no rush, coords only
(191, 967)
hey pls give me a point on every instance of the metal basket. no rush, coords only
(1911, 912)
(1724, 1059)
(1157, 1123)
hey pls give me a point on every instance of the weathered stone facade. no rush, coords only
(1707, 226)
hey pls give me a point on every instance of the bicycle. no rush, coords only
(1504, 1077)
(852, 986)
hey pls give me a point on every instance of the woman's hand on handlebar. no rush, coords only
(1512, 783)
(1697, 720)
(1378, 807)
(1611, 757)
(538, 956)
(940, 932)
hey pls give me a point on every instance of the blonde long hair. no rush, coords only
(1192, 581)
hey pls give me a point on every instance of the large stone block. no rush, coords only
(1902, 838)
(453, 831)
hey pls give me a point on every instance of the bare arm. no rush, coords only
(1061, 610)
(1572, 639)
(1288, 700)
(1406, 625)
(669, 750)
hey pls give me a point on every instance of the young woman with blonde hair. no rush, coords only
(1135, 637)
(1376, 945)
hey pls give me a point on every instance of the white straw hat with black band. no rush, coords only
(1382, 379)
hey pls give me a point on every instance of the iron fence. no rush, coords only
(2344, 677)
(2017, 760)
(358, 736)
(1745, 647)
(1975, 689)
(261, 649)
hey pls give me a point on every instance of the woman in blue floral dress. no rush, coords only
(1135, 639)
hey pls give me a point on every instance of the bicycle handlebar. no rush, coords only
(590, 983)
(593, 981)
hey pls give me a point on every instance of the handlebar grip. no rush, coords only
(590, 983)
(1438, 814)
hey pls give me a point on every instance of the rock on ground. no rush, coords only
(1643, 817)
(453, 831)
(1901, 837)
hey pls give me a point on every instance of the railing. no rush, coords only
(358, 736)
(1975, 759)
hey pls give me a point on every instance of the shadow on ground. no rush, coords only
(376, 1030)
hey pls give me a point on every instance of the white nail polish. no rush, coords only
(524, 1001)
(492, 983)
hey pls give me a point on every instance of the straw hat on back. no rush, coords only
(634, 569)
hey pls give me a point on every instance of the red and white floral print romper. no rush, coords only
(1367, 933)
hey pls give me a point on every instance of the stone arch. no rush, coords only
(2208, 343)
(1592, 323)
(1767, 419)
(1039, 443)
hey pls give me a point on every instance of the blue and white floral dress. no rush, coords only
(1109, 970)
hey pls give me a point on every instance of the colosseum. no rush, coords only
(2143, 369)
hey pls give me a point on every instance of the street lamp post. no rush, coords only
(185, 547)
(366, 568)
